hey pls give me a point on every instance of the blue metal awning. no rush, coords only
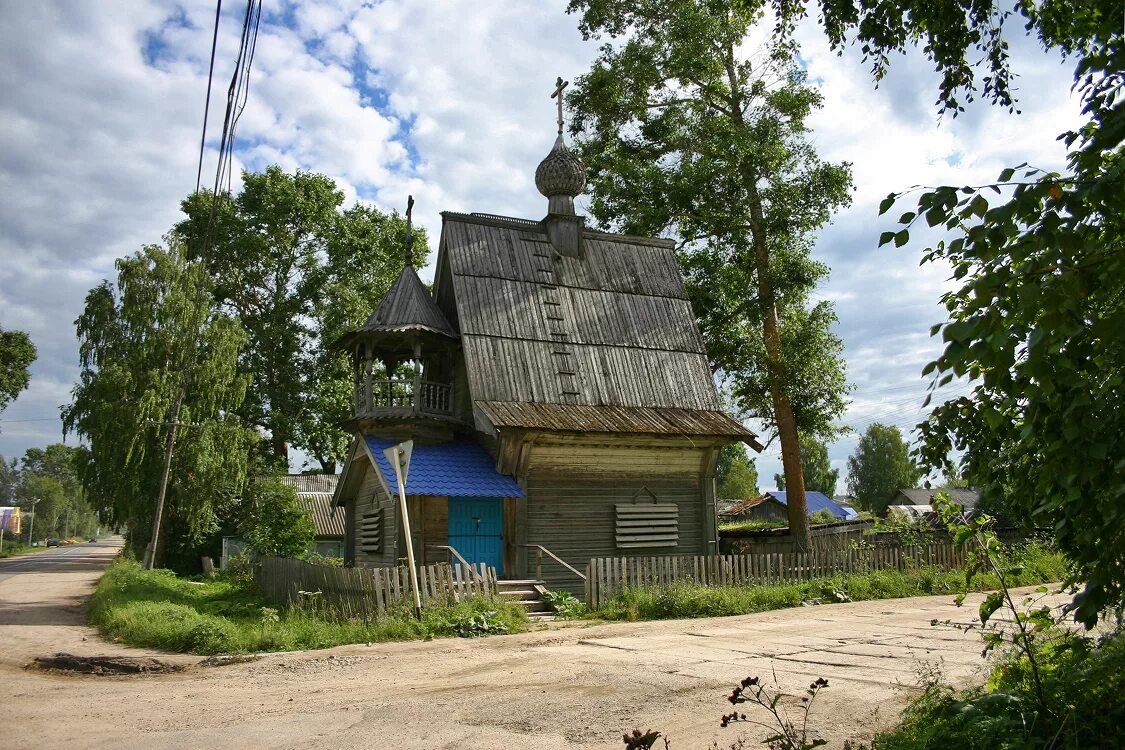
(461, 468)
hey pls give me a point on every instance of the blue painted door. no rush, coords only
(476, 529)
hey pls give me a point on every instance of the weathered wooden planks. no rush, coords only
(608, 577)
(368, 592)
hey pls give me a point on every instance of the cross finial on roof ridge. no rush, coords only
(560, 84)
(409, 230)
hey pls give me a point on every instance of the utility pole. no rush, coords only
(31, 524)
(169, 446)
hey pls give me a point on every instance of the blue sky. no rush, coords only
(449, 101)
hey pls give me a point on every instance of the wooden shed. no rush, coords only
(557, 390)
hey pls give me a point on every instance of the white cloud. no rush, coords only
(448, 101)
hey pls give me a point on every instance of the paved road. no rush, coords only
(575, 686)
(72, 556)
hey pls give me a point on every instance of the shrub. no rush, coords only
(275, 524)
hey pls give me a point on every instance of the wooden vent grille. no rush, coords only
(647, 525)
(371, 532)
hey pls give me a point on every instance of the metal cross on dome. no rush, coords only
(560, 84)
(409, 230)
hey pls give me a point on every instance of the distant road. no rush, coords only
(56, 559)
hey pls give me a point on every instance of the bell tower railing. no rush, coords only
(399, 396)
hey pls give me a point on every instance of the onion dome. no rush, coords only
(561, 173)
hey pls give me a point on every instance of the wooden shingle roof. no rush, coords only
(611, 331)
(407, 307)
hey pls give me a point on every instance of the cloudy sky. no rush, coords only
(101, 107)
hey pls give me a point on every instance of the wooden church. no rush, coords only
(556, 389)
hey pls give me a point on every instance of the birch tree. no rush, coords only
(159, 370)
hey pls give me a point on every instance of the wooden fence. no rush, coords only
(607, 577)
(367, 592)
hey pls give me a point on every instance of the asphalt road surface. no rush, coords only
(566, 686)
(68, 557)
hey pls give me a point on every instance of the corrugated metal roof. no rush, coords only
(320, 505)
(814, 501)
(461, 468)
(580, 418)
(311, 482)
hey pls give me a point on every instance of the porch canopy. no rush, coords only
(461, 468)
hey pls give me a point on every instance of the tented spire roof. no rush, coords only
(406, 308)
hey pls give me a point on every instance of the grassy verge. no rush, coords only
(14, 550)
(1083, 682)
(159, 610)
(689, 600)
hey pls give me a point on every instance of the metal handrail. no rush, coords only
(540, 550)
(463, 561)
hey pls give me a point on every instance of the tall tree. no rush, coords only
(736, 475)
(155, 354)
(9, 479)
(880, 466)
(819, 474)
(16, 355)
(1042, 429)
(683, 132)
(295, 271)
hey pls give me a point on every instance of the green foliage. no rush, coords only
(681, 600)
(750, 525)
(823, 516)
(819, 474)
(958, 37)
(683, 133)
(297, 272)
(275, 524)
(16, 355)
(879, 467)
(155, 609)
(1084, 683)
(477, 624)
(152, 351)
(736, 475)
(1036, 322)
(564, 604)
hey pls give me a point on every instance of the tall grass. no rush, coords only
(1083, 683)
(159, 610)
(1040, 565)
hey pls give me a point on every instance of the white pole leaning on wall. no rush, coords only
(399, 456)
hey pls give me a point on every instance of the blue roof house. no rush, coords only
(773, 506)
(556, 390)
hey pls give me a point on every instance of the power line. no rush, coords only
(207, 103)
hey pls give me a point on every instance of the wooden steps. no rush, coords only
(529, 594)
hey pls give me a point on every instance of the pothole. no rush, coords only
(105, 665)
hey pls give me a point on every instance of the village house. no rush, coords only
(773, 507)
(556, 389)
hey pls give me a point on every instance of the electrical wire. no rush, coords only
(207, 103)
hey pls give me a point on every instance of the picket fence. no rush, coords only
(608, 577)
(368, 592)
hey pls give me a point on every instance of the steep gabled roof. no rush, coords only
(924, 496)
(407, 307)
(611, 328)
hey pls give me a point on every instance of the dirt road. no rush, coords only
(569, 686)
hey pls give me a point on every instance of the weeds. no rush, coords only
(564, 604)
(227, 615)
(1037, 564)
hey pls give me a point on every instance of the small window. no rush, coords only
(646, 522)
